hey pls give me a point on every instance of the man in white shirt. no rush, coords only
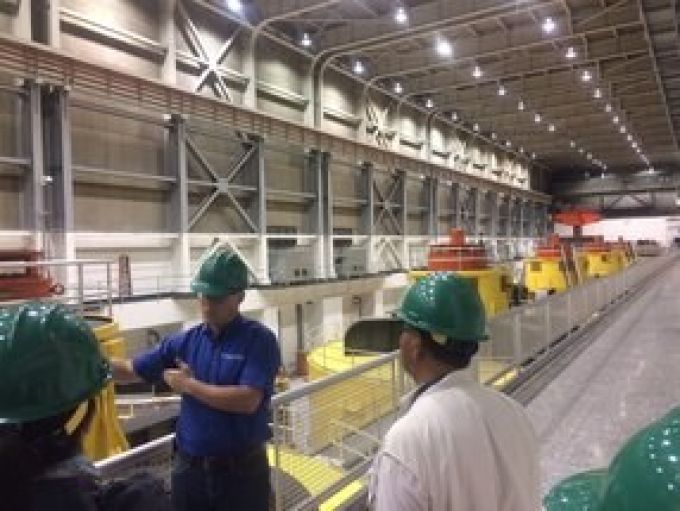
(460, 446)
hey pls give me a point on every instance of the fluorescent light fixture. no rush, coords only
(537, 118)
(454, 116)
(429, 103)
(502, 91)
(520, 105)
(580, 150)
(571, 53)
(533, 156)
(508, 143)
(622, 129)
(521, 150)
(477, 72)
(629, 137)
(359, 67)
(398, 88)
(589, 156)
(493, 135)
(444, 48)
(400, 16)
(548, 25)
(475, 127)
(597, 93)
(551, 127)
(607, 108)
(572, 144)
(306, 41)
(586, 76)
(615, 119)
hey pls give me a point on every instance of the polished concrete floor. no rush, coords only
(628, 377)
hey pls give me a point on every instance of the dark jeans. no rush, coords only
(243, 485)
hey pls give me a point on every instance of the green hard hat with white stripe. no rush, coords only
(223, 273)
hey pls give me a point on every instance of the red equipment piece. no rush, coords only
(552, 249)
(577, 217)
(456, 255)
(25, 282)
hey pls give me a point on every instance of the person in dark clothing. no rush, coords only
(50, 367)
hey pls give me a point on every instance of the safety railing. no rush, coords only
(525, 333)
(67, 281)
(325, 433)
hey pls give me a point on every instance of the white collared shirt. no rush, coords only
(460, 447)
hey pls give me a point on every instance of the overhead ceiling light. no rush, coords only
(398, 88)
(580, 150)
(615, 119)
(622, 129)
(607, 108)
(508, 143)
(537, 118)
(589, 156)
(571, 53)
(234, 5)
(306, 41)
(400, 15)
(533, 156)
(475, 127)
(444, 48)
(476, 72)
(429, 103)
(359, 67)
(493, 135)
(521, 150)
(634, 145)
(572, 144)
(651, 170)
(548, 26)
(586, 76)
(520, 105)
(602, 176)
(501, 90)
(597, 93)
(551, 127)
(629, 137)
(454, 116)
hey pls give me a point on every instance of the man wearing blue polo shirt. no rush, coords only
(224, 369)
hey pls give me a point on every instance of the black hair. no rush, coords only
(457, 354)
(29, 449)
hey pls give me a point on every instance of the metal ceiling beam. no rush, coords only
(489, 45)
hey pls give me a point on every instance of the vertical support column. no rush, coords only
(323, 215)
(369, 215)
(20, 22)
(457, 195)
(179, 196)
(479, 195)
(59, 169)
(403, 217)
(34, 198)
(53, 26)
(433, 209)
(262, 249)
(250, 70)
(327, 182)
(167, 37)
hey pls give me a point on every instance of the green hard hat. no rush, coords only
(447, 306)
(580, 492)
(223, 273)
(645, 474)
(49, 362)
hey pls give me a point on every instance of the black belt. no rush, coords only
(230, 462)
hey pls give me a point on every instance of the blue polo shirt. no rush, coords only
(244, 353)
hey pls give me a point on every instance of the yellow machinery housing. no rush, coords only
(601, 263)
(545, 275)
